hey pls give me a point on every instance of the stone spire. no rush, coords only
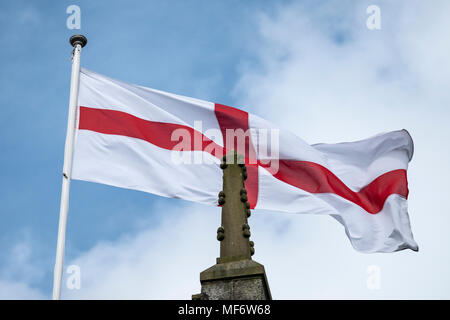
(235, 276)
(234, 234)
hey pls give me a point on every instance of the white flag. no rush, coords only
(139, 138)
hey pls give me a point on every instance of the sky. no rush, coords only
(312, 67)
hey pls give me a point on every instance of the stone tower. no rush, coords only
(235, 276)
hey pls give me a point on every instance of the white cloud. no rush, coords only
(372, 81)
(19, 291)
(20, 271)
(161, 263)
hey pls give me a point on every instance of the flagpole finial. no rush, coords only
(78, 39)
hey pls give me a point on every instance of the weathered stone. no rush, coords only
(236, 280)
(235, 276)
(234, 214)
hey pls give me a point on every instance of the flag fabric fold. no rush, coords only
(144, 139)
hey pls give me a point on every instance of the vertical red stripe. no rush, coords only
(232, 118)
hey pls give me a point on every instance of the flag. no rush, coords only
(144, 139)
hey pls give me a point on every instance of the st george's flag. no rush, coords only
(129, 136)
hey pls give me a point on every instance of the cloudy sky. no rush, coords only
(310, 66)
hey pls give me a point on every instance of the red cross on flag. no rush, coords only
(139, 138)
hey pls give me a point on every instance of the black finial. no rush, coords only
(78, 39)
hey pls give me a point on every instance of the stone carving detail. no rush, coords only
(252, 247)
(221, 198)
(246, 230)
(220, 233)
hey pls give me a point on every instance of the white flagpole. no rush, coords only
(77, 41)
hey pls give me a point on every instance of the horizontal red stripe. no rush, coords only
(314, 178)
(157, 133)
(304, 175)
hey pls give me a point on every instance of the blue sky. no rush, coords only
(190, 48)
(285, 61)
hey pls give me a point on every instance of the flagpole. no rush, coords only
(77, 41)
